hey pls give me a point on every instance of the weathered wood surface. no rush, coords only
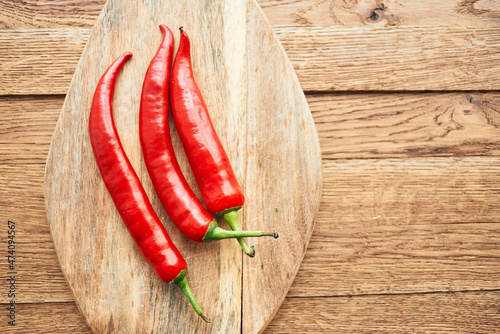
(396, 165)
(384, 226)
(333, 45)
(325, 58)
(262, 118)
(454, 312)
(473, 312)
(475, 13)
(83, 13)
(51, 318)
(395, 125)
(394, 58)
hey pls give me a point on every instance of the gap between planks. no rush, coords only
(350, 126)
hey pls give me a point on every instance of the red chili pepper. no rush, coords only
(208, 159)
(180, 202)
(127, 192)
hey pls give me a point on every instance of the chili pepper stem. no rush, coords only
(214, 232)
(232, 219)
(182, 283)
(219, 234)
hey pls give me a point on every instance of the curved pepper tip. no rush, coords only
(164, 29)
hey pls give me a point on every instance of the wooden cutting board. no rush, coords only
(262, 117)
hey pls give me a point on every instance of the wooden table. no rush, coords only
(405, 98)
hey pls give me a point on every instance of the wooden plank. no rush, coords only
(399, 259)
(26, 127)
(398, 192)
(325, 58)
(39, 277)
(378, 13)
(368, 125)
(462, 312)
(393, 58)
(39, 61)
(47, 318)
(31, 14)
(360, 125)
(28, 14)
(384, 226)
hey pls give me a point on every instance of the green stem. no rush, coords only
(214, 232)
(233, 220)
(182, 283)
(219, 234)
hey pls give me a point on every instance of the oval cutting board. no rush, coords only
(261, 115)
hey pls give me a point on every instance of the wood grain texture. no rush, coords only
(350, 126)
(403, 259)
(39, 276)
(280, 173)
(26, 128)
(26, 14)
(439, 39)
(471, 312)
(47, 318)
(384, 226)
(393, 58)
(32, 61)
(325, 58)
(458, 312)
(15, 14)
(368, 125)
(255, 102)
(425, 191)
(403, 191)
(376, 13)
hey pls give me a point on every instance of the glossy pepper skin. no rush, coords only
(208, 159)
(177, 197)
(125, 189)
(180, 202)
(214, 175)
